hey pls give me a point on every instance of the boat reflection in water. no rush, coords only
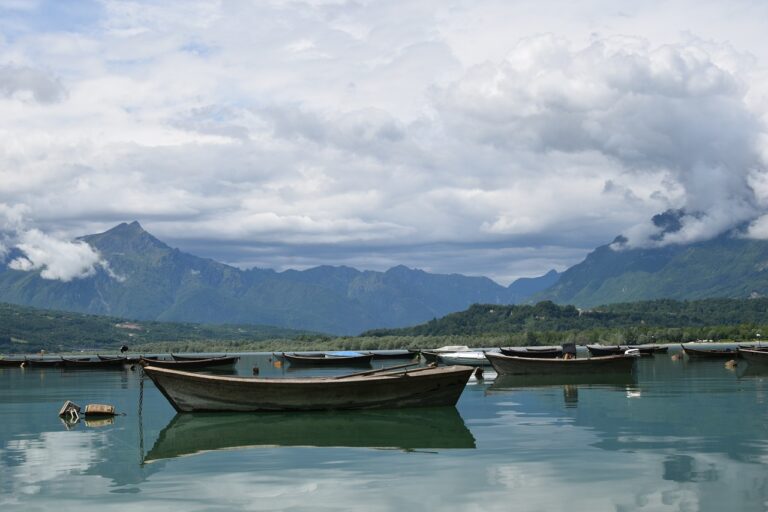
(406, 429)
(570, 384)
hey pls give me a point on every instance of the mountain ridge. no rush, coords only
(727, 266)
(146, 279)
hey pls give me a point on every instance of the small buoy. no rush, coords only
(99, 410)
(255, 370)
(677, 357)
(731, 364)
(479, 373)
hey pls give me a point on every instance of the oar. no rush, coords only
(371, 372)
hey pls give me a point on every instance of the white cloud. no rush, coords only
(56, 259)
(388, 128)
(671, 109)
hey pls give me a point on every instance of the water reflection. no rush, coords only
(676, 437)
(408, 429)
(569, 383)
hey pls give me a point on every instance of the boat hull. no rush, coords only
(196, 364)
(510, 365)
(754, 356)
(189, 392)
(93, 364)
(44, 363)
(406, 354)
(605, 350)
(464, 359)
(697, 353)
(535, 353)
(361, 360)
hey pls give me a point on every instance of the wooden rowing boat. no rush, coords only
(510, 365)
(467, 358)
(96, 364)
(650, 349)
(710, 353)
(761, 348)
(43, 363)
(124, 359)
(10, 363)
(608, 350)
(754, 356)
(605, 350)
(405, 429)
(431, 355)
(374, 389)
(326, 360)
(197, 364)
(399, 354)
(538, 353)
(177, 357)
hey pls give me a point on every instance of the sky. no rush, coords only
(494, 138)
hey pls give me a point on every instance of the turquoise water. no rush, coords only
(681, 435)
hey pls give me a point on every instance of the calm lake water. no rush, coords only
(681, 435)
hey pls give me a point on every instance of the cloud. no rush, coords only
(21, 81)
(373, 133)
(673, 109)
(56, 259)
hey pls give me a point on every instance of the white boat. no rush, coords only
(475, 358)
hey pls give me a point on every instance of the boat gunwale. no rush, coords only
(242, 379)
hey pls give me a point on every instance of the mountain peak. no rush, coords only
(124, 228)
(124, 237)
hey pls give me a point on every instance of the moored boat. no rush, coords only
(761, 348)
(375, 389)
(10, 363)
(178, 357)
(395, 354)
(510, 365)
(125, 359)
(605, 350)
(329, 360)
(539, 353)
(710, 353)
(43, 363)
(83, 364)
(612, 350)
(431, 355)
(650, 349)
(476, 358)
(190, 365)
(754, 356)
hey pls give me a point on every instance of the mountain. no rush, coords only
(727, 266)
(25, 329)
(148, 280)
(663, 320)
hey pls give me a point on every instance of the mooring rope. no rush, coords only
(141, 419)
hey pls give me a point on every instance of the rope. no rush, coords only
(141, 421)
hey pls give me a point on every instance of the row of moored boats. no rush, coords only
(118, 362)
